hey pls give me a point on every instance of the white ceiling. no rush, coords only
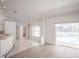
(33, 8)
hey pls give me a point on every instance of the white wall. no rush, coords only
(50, 28)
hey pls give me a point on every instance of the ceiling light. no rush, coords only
(4, 6)
(2, 0)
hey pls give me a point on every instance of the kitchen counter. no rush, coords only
(6, 44)
(4, 36)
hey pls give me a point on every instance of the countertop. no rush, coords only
(4, 36)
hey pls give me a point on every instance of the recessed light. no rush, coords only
(4, 6)
(2, 0)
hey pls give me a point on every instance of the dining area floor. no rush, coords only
(48, 51)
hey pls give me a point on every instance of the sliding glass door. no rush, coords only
(67, 34)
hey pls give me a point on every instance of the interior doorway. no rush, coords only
(67, 34)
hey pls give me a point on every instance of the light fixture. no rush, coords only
(2, 0)
(4, 6)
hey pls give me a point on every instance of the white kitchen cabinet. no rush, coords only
(6, 44)
(10, 27)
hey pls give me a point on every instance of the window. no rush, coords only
(36, 31)
(67, 34)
